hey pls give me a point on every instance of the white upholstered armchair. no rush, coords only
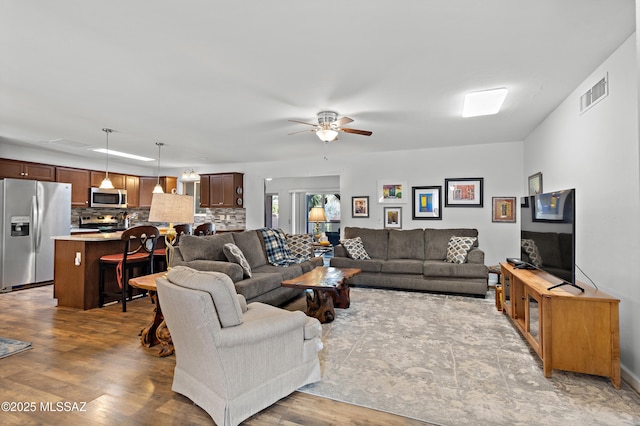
(234, 359)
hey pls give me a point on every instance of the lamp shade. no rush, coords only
(171, 208)
(317, 215)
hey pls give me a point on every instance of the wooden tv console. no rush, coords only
(569, 330)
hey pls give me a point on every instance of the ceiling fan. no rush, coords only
(329, 125)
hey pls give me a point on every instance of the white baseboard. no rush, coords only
(630, 378)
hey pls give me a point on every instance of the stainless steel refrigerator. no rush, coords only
(32, 212)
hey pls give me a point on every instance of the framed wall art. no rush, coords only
(427, 202)
(360, 206)
(392, 191)
(393, 217)
(463, 192)
(504, 209)
(535, 184)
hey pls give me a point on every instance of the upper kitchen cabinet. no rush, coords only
(132, 184)
(79, 180)
(118, 180)
(221, 190)
(147, 183)
(25, 170)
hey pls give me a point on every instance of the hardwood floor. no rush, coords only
(94, 359)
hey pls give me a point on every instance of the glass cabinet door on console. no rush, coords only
(506, 292)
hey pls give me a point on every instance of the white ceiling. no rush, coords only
(216, 81)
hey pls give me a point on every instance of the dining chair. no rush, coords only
(139, 244)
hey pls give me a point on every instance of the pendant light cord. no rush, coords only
(106, 172)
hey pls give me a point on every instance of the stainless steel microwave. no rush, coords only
(114, 198)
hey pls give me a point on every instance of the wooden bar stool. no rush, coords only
(138, 249)
(206, 228)
(160, 254)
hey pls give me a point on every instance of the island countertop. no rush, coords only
(104, 236)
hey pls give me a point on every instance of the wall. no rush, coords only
(499, 164)
(597, 153)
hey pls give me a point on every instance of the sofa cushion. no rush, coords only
(529, 247)
(286, 272)
(218, 285)
(446, 270)
(375, 241)
(355, 249)
(234, 254)
(252, 247)
(259, 284)
(369, 265)
(436, 241)
(208, 247)
(458, 248)
(406, 244)
(300, 246)
(403, 266)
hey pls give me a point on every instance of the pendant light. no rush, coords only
(106, 182)
(158, 188)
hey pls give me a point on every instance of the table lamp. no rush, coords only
(171, 208)
(317, 215)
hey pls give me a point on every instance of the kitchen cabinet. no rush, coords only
(79, 180)
(133, 192)
(118, 180)
(221, 190)
(147, 183)
(25, 170)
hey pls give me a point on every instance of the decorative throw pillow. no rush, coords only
(300, 246)
(355, 249)
(530, 247)
(458, 249)
(234, 254)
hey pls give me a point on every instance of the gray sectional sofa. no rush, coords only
(414, 260)
(205, 253)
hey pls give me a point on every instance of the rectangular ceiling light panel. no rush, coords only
(486, 102)
(123, 154)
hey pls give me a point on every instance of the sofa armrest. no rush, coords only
(232, 270)
(339, 251)
(475, 256)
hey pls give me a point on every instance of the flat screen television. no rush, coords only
(547, 234)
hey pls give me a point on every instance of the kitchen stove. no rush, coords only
(103, 223)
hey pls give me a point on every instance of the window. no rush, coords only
(272, 211)
(331, 204)
(193, 189)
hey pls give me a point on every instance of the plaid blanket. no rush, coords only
(278, 253)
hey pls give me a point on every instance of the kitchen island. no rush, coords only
(77, 267)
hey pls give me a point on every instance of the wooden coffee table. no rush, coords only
(157, 331)
(329, 290)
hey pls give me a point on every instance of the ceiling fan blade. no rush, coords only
(356, 131)
(302, 131)
(342, 121)
(302, 122)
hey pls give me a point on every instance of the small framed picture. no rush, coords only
(524, 202)
(535, 184)
(504, 209)
(393, 217)
(392, 191)
(360, 206)
(427, 202)
(463, 192)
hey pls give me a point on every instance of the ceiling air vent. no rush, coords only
(594, 95)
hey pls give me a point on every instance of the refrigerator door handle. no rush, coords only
(36, 223)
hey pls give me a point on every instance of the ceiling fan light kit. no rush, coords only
(329, 125)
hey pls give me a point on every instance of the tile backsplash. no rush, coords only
(227, 218)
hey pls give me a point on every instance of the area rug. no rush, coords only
(11, 347)
(453, 360)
